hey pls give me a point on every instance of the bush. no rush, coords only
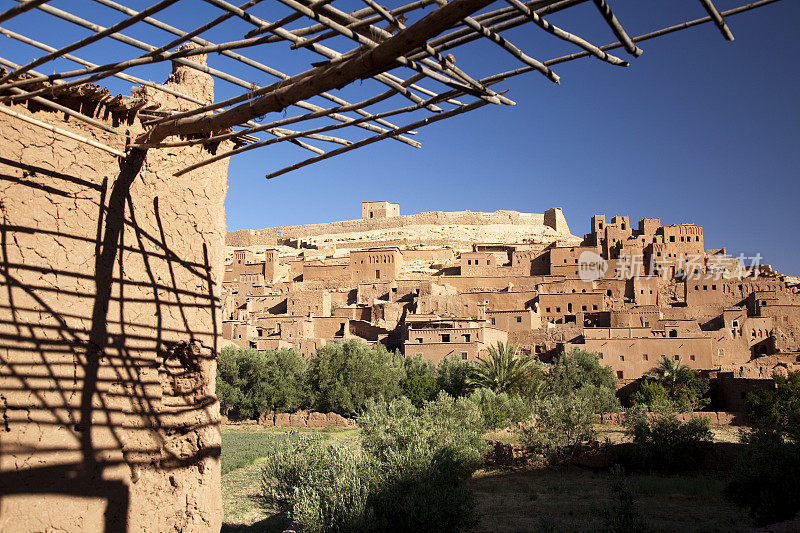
(343, 376)
(561, 425)
(322, 487)
(766, 477)
(778, 408)
(501, 410)
(452, 376)
(662, 442)
(419, 385)
(580, 372)
(250, 382)
(410, 475)
(683, 386)
(651, 394)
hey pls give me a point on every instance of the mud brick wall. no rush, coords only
(110, 272)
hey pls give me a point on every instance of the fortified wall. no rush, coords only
(552, 218)
(110, 270)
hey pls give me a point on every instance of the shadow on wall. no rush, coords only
(107, 343)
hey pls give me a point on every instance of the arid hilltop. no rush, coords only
(381, 224)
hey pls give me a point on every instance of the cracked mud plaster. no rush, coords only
(109, 276)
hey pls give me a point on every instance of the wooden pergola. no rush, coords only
(405, 48)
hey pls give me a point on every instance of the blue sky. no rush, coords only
(697, 129)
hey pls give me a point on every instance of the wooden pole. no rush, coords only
(59, 131)
(717, 18)
(325, 78)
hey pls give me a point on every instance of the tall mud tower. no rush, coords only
(110, 270)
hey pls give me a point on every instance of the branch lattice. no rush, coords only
(403, 48)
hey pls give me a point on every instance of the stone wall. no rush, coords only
(110, 272)
(305, 419)
(267, 236)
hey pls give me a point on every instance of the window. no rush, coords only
(419, 340)
(594, 308)
(377, 274)
(467, 337)
(370, 214)
(519, 319)
(673, 333)
(546, 309)
(445, 337)
(464, 356)
(713, 287)
(584, 308)
(735, 324)
(558, 309)
(676, 357)
(600, 355)
(469, 261)
(691, 357)
(493, 321)
(621, 357)
(645, 357)
(619, 374)
(672, 238)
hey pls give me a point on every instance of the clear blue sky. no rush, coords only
(697, 129)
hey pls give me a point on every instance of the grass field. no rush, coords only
(522, 500)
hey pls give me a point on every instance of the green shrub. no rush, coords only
(409, 476)
(419, 385)
(250, 382)
(684, 387)
(624, 516)
(423, 457)
(651, 394)
(343, 376)
(663, 442)
(766, 477)
(452, 376)
(580, 372)
(501, 410)
(778, 407)
(322, 487)
(561, 425)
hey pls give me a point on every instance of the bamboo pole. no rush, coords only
(508, 46)
(717, 18)
(59, 131)
(88, 40)
(566, 36)
(617, 28)
(333, 75)
(385, 78)
(233, 55)
(21, 8)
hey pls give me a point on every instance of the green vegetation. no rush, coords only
(766, 478)
(566, 403)
(501, 410)
(343, 376)
(419, 385)
(504, 370)
(250, 382)
(410, 474)
(675, 383)
(662, 442)
(452, 376)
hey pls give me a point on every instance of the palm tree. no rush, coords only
(681, 383)
(504, 370)
(668, 372)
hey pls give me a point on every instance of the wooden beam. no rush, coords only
(324, 78)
